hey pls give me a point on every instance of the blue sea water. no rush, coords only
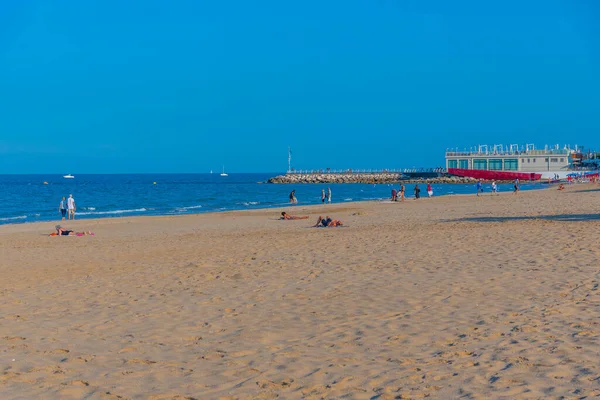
(25, 198)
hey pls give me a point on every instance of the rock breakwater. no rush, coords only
(363, 178)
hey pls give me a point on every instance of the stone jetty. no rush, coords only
(382, 177)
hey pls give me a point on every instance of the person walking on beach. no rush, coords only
(329, 195)
(417, 192)
(323, 196)
(479, 187)
(516, 186)
(293, 199)
(62, 208)
(402, 189)
(71, 206)
(429, 190)
(494, 188)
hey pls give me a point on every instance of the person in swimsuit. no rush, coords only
(285, 215)
(323, 196)
(60, 231)
(402, 192)
(293, 199)
(327, 222)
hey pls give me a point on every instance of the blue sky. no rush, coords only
(185, 86)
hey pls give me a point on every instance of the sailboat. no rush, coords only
(68, 176)
(223, 173)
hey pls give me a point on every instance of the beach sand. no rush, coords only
(451, 297)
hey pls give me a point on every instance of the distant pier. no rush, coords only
(414, 175)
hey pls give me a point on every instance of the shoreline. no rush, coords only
(23, 221)
(290, 208)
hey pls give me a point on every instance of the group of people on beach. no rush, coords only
(495, 190)
(326, 222)
(67, 207)
(325, 196)
(399, 195)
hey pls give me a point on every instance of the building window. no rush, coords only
(545, 160)
(511, 164)
(529, 160)
(452, 163)
(463, 164)
(522, 160)
(480, 164)
(496, 165)
(534, 159)
(562, 160)
(554, 160)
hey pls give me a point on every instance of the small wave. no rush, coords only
(249, 203)
(348, 199)
(113, 212)
(13, 218)
(190, 207)
(89, 208)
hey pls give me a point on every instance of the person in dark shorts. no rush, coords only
(417, 192)
(62, 208)
(327, 222)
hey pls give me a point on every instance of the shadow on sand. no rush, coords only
(558, 217)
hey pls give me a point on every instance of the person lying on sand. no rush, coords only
(285, 215)
(60, 231)
(561, 187)
(327, 222)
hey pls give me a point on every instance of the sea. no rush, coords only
(35, 198)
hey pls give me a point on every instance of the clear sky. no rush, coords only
(186, 86)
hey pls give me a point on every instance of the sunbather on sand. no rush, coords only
(285, 215)
(60, 231)
(328, 222)
(561, 187)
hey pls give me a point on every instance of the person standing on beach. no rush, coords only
(417, 192)
(293, 199)
(62, 208)
(71, 206)
(479, 187)
(402, 189)
(494, 188)
(516, 186)
(329, 195)
(429, 190)
(323, 196)
(394, 195)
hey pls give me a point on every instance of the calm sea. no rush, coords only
(25, 198)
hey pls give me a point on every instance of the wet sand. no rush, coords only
(450, 297)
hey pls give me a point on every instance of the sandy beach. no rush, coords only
(470, 297)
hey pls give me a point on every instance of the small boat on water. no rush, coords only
(223, 173)
(68, 176)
